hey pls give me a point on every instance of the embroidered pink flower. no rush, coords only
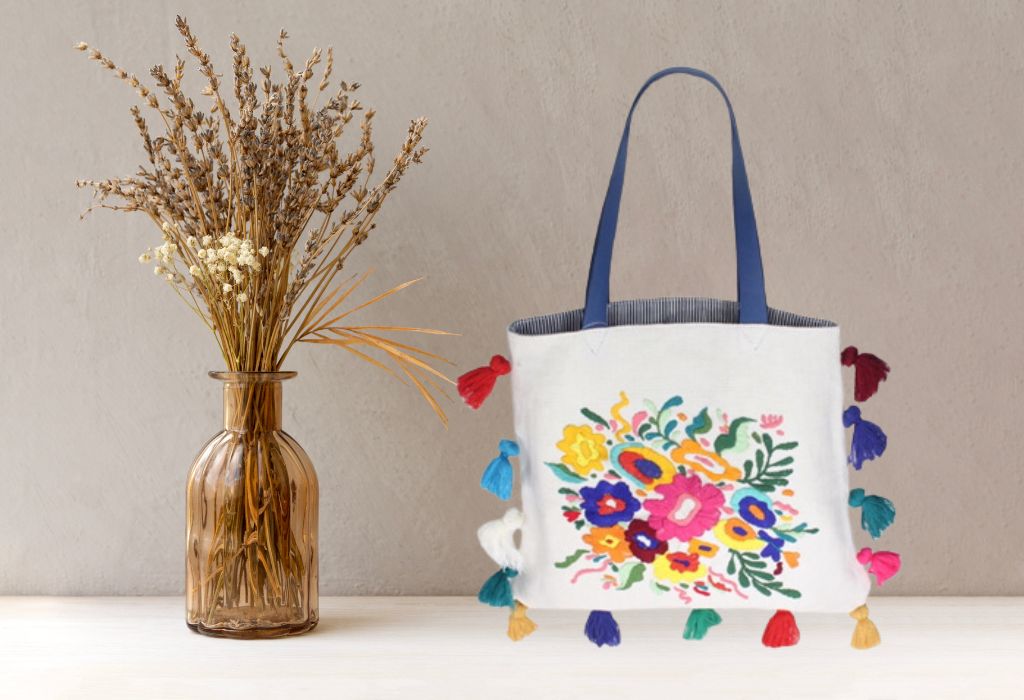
(687, 508)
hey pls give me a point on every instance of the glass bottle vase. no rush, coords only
(251, 510)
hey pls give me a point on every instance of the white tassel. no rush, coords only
(497, 537)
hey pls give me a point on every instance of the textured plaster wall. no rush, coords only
(886, 156)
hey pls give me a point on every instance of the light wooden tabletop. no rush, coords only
(454, 648)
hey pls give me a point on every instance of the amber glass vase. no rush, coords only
(252, 502)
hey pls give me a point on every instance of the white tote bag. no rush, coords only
(679, 453)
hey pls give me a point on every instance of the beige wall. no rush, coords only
(886, 156)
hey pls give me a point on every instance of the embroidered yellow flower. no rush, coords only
(582, 449)
(679, 567)
(609, 540)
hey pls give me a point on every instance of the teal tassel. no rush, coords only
(876, 513)
(497, 477)
(699, 622)
(497, 590)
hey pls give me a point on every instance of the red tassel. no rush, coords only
(476, 384)
(781, 630)
(869, 371)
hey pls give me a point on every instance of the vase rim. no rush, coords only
(252, 377)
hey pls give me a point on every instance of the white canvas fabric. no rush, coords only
(633, 498)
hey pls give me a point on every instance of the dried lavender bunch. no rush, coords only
(259, 209)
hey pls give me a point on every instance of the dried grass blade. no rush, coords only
(388, 347)
(411, 348)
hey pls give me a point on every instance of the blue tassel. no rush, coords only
(602, 629)
(497, 477)
(497, 590)
(876, 513)
(868, 439)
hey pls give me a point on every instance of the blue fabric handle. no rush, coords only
(749, 272)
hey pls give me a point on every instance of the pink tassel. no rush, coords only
(476, 385)
(869, 371)
(884, 565)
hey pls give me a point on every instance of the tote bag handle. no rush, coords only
(749, 272)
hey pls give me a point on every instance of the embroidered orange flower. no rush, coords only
(609, 540)
(692, 455)
(702, 548)
(738, 535)
(792, 559)
(582, 449)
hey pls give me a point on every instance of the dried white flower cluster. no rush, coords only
(225, 263)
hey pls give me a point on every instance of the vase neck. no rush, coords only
(252, 400)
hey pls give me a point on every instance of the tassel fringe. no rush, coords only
(602, 629)
(868, 440)
(497, 590)
(876, 513)
(781, 630)
(865, 634)
(869, 371)
(884, 565)
(519, 625)
(699, 622)
(497, 539)
(498, 476)
(476, 384)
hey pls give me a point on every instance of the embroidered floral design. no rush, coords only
(688, 507)
(608, 503)
(688, 504)
(582, 449)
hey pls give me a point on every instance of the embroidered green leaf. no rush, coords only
(789, 592)
(564, 473)
(787, 446)
(783, 462)
(662, 586)
(567, 491)
(671, 426)
(728, 441)
(571, 559)
(699, 425)
(672, 403)
(630, 574)
(590, 415)
(579, 524)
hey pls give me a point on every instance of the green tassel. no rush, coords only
(497, 590)
(876, 513)
(699, 622)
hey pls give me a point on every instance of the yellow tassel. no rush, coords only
(519, 625)
(865, 634)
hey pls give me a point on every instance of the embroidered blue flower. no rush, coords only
(756, 511)
(773, 545)
(607, 504)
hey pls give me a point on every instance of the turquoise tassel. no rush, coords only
(497, 590)
(876, 513)
(699, 622)
(497, 477)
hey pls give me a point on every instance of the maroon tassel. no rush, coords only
(869, 371)
(781, 630)
(476, 384)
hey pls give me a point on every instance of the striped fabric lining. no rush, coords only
(646, 312)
